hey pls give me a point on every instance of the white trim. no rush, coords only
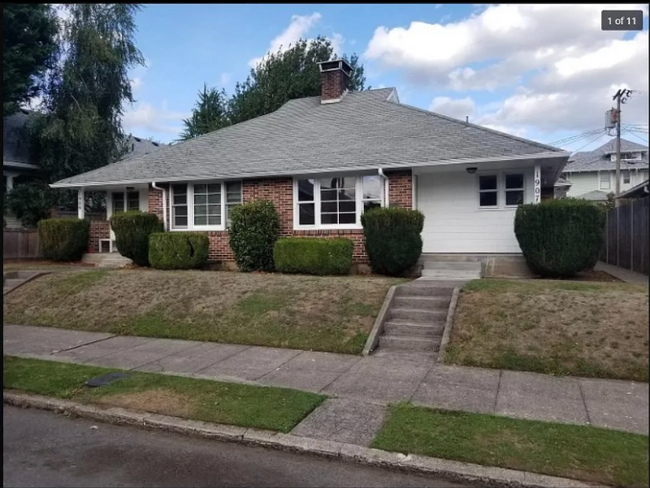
(600, 182)
(16, 164)
(500, 189)
(190, 207)
(358, 198)
(81, 203)
(497, 175)
(506, 189)
(349, 169)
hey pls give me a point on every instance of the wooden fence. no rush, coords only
(626, 236)
(20, 244)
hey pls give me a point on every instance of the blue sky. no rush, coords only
(503, 66)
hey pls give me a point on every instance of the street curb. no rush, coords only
(453, 470)
(380, 321)
(446, 334)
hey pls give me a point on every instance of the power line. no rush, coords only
(591, 141)
(634, 135)
(572, 139)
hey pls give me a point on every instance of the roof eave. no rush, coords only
(363, 167)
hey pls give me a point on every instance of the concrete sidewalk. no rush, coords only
(361, 387)
(623, 274)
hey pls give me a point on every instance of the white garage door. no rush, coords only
(453, 221)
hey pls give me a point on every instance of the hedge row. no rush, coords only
(313, 256)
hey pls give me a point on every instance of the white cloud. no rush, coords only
(145, 117)
(224, 79)
(458, 108)
(299, 26)
(561, 67)
(136, 84)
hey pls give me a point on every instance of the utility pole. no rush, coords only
(621, 96)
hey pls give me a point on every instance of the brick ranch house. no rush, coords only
(323, 160)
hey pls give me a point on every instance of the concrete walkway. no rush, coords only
(361, 387)
(622, 274)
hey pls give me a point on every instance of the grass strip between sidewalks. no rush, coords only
(278, 409)
(586, 453)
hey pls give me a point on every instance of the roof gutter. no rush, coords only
(164, 203)
(349, 169)
(386, 185)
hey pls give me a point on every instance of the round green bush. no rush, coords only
(132, 230)
(392, 239)
(254, 228)
(63, 239)
(310, 255)
(178, 250)
(560, 238)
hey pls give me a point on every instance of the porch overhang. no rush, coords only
(551, 165)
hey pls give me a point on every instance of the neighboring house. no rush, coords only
(593, 173)
(16, 160)
(324, 160)
(636, 192)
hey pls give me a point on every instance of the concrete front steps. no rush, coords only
(106, 259)
(13, 279)
(416, 322)
(451, 270)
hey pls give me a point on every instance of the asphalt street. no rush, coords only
(43, 449)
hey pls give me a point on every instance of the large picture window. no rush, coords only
(203, 206)
(336, 202)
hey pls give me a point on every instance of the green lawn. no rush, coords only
(572, 451)
(279, 409)
(332, 314)
(555, 327)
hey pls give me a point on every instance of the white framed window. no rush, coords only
(125, 200)
(203, 206)
(625, 174)
(604, 183)
(335, 202)
(488, 191)
(514, 189)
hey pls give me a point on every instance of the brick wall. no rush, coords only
(400, 188)
(280, 192)
(99, 229)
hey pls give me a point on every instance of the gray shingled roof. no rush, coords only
(363, 131)
(594, 196)
(14, 148)
(137, 146)
(600, 159)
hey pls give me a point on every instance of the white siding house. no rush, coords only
(593, 173)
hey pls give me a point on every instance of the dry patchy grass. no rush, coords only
(566, 328)
(320, 313)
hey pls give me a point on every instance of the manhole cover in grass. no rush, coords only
(105, 379)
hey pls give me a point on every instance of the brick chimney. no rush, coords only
(334, 77)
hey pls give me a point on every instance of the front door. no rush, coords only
(122, 201)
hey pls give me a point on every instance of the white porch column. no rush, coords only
(537, 192)
(10, 182)
(81, 203)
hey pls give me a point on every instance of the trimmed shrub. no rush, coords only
(63, 239)
(178, 250)
(132, 230)
(313, 256)
(393, 240)
(254, 228)
(560, 238)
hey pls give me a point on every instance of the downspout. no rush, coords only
(164, 203)
(386, 186)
